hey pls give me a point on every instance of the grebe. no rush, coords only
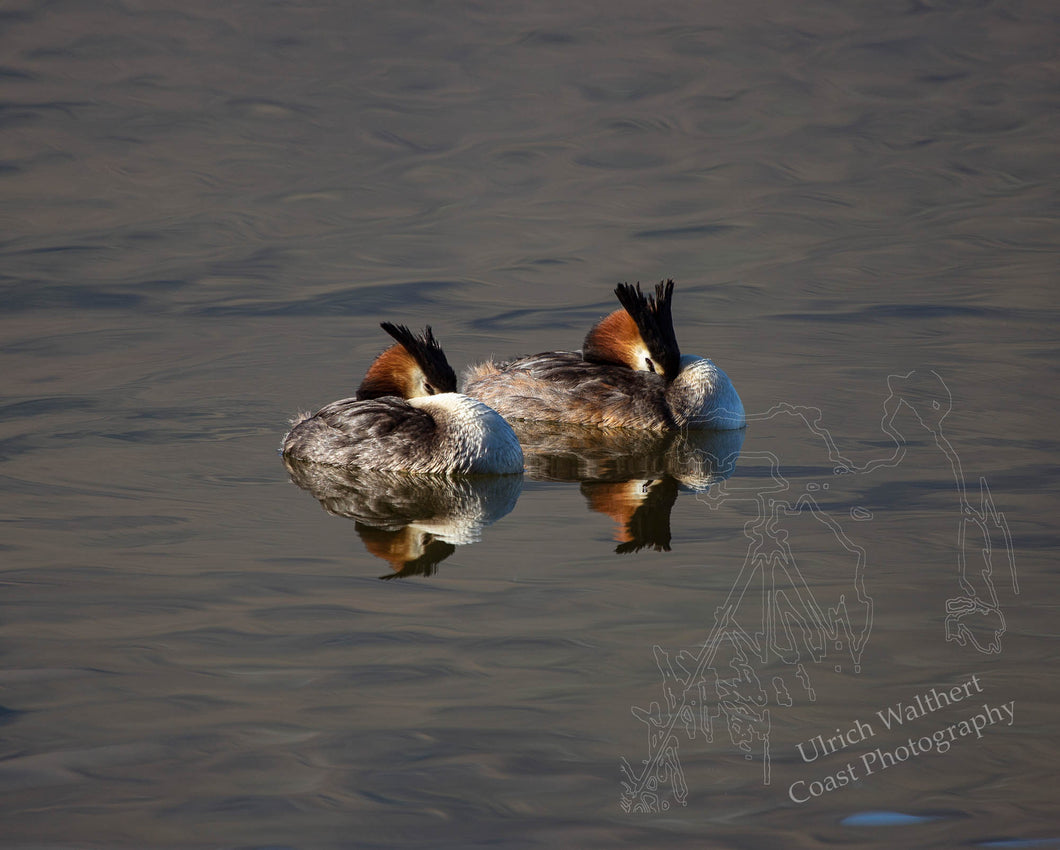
(408, 417)
(629, 374)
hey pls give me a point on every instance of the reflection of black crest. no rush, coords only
(381, 542)
(428, 354)
(648, 526)
(655, 321)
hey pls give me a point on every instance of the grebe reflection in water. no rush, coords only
(408, 417)
(629, 374)
(633, 476)
(413, 522)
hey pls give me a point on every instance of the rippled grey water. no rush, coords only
(208, 209)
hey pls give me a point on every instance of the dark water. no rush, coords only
(207, 211)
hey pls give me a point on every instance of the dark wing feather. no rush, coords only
(381, 433)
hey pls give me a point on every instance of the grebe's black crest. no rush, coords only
(655, 321)
(428, 354)
(416, 366)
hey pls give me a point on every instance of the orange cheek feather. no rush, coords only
(616, 339)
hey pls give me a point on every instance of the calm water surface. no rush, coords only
(209, 208)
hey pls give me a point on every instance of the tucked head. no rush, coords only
(415, 367)
(641, 335)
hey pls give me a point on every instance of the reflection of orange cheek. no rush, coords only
(617, 500)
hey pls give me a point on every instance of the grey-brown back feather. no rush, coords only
(559, 386)
(382, 433)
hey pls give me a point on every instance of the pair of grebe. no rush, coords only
(407, 415)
